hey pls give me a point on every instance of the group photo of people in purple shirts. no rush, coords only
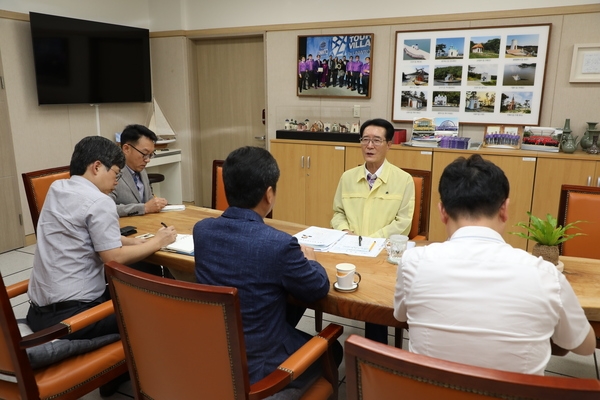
(338, 66)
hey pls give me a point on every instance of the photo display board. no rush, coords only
(484, 75)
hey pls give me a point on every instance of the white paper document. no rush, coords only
(173, 207)
(183, 244)
(368, 247)
(321, 239)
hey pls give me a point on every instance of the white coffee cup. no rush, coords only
(345, 273)
(395, 246)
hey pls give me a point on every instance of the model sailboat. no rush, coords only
(159, 125)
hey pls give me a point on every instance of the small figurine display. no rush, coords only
(319, 126)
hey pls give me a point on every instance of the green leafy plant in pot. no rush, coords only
(548, 235)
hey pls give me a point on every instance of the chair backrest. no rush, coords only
(13, 359)
(377, 371)
(37, 184)
(174, 332)
(219, 201)
(580, 203)
(420, 221)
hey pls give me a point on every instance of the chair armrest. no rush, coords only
(17, 288)
(296, 363)
(69, 325)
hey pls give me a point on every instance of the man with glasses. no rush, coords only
(78, 231)
(376, 199)
(133, 194)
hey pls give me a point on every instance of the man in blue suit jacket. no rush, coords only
(266, 265)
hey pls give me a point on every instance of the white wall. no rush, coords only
(122, 12)
(165, 15)
(232, 13)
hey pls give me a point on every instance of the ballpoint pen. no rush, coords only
(163, 224)
(360, 240)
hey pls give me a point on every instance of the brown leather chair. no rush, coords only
(67, 379)
(219, 201)
(185, 341)
(420, 221)
(37, 184)
(580, 203)
(596, 326)
(377, 371)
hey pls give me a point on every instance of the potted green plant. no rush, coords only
(548, 235)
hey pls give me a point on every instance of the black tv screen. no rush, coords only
(78, 61)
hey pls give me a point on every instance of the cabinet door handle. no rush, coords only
(589, 181)
(302, 162)
(308, 165)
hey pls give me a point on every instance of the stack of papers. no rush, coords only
(184, 244)
(369, 247)
(334, 241)
(173, 207)
(321, 239)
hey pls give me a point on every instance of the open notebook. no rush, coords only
(184, 244)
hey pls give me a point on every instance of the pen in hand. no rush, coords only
(163, 224)
(360, 240)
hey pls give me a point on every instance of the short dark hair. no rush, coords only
(247, 174)
(389, 128)
(95, 148)
(133, 133)
(473, 187)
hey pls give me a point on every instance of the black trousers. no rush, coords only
(39, 318)
(376, 332)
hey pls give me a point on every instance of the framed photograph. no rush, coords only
(480, 76)
(585, 66)
(503, 136)
(335, 66)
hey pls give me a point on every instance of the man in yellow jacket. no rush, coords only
(376, 199)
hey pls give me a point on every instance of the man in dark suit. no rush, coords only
(133, 194)
(266, 265)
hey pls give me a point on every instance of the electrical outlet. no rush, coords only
(356, 111)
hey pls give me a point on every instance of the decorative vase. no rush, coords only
(548, 253)
(594, 149)
(568, 143)
(586, 140)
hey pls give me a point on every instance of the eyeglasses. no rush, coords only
(376, 141)
(118, 175)
(144, 155)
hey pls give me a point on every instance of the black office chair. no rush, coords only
(156, 178)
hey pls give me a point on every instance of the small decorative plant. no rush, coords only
(548, 235)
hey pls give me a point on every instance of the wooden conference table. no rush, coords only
(373, 301)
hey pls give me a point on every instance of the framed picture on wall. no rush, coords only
(481, 76)
(335, 66)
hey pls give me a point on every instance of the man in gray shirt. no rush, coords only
(78, 231)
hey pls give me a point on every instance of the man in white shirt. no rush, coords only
(475, 299)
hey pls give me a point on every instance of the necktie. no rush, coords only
(139, 184)
(371, 179)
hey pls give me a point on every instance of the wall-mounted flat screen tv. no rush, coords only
(78, 61)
